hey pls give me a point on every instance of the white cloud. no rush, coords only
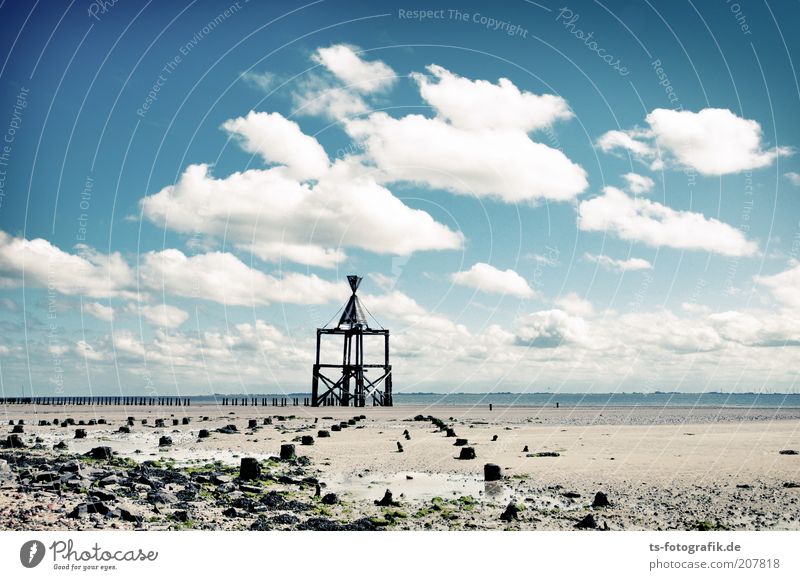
(649, 222)
(262, 80)
(711, 141)
(761, 329)
(575, 305)
(87, 351)
(613, 265)
(350, 68)
(164, 315)
(793, 177)
(550, 329)
(278, 217)
(43, 265)
(638, 183)
(785, 286)
(487, 278)
(99, 311)
(223, 278)
(280, 141)
(505, 164)
(481, 104)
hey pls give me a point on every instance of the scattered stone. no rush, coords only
(387, 500)
(525, 449)
(80, 433)
(791, 485)
(249, 468)
(307, 440)
(175, 422)
(267, 420)
(18, 429)
(61, 445)
(335, 428)
(228, 429)
(789, 452)
(164, 441)
(330, 499)
(544, 454)
(124, 429)
(159, 422)
(102, 453)
(287, 451)
(323, 433)
(230, 513)
(451, 432)
(399, 447)
(511, 513)
(84, 509)
(252, 423)
(571, 494)
(494, 437)
(492, 472)
(600, 500)
(181, 516)
(14, 442)
(587, 523)
(744, 486)
(203, 434)
(185, 420)
(460, 442)
(467, 453)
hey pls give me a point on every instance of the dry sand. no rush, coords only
(660, 468)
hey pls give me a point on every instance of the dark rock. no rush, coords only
(175, 422)
(164, 441)
(92, 422)
(571, 494)
(273, 500)
(460, 442)
(494, 437)
(791, 485)
(159, 422)
(307, 440)
(18, 429)
(102, 422)
(61, 445)
(100, 495)
(261, 524)
(221, 479)
(287, 451)
(335, 428)
(419, 418)
(399, 447)
(181, 516)
(185, 420)
(124, 429)
(323, 433)
(46, 477)
(387, 500)
(203, 434)
(162, 496)
(511, 513)
(451, 432)
(267, 421)
(600, 500)
(252, 423)
(544, 454)
(228, 429)
(285, 519)
(43, 423)
(789, 452)
(245, 503)
(330, 499)
(83, 509)
(80, 433)
(14, 442)
(467, 453)
(100, 453)
(249, 468)
(587, 523)
(492, 472)
(525, 449)
(230, 512)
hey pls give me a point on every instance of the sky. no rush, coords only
(540, 196)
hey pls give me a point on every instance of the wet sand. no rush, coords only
(675, 468)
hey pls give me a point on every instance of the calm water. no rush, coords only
(583, 400)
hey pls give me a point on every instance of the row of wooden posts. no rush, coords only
(151, 401)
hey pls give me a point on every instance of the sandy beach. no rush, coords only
(659, 468)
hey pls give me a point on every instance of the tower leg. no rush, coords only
(315, 387)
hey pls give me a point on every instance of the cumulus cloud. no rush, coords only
(505, 164)
(550, 329)
(711, 141)
(279, 216)
(344, 62)
(38, 263)
(482, 104)
(793, 177)
(487, 278)
(262, 80)
(99, 311)
(649, 222)
(164, 315)
(224, 278)
(279, 140)
(785, 286)
(638, 183)
(574, 305)
(614, 265)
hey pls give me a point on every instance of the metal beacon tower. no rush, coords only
(347, 384)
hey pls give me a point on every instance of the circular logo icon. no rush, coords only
(31, 553)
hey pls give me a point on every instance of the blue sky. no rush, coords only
(185, 186)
